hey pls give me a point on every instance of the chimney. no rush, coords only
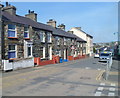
(10, 9)
(78, 28)
(62, 26)
(52, 23)
(70, 32)
(1, 5)
(31, 15)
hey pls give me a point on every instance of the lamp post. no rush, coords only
(118, 33)
(0, 34)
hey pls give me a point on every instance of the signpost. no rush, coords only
(0, 34)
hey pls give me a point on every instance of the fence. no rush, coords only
(108, 67)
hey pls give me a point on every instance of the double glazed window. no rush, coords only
(11, 30)
(42, 36)
(49, 37)
(12, 51)
(26, 32)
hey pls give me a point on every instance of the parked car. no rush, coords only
(105, 56)
(96, 55)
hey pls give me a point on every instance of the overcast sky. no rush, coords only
(99, 19)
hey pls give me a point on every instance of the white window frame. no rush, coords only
(65, 41)
(50, 35)
(43, 56)
(43, 40)
(13, 50)
(29, 45)
(58, 40)
(26, 32)
(13, 30)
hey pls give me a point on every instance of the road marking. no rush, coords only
(87, 67)
(113, 84)
(111, 94)
(98, 93)
(98, 69)
(102, 83)
(111, 89)
(100, 88)
(98, 78)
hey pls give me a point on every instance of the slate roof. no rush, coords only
(24, 20)
(27, 21)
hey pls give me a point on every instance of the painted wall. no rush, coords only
(29, 62)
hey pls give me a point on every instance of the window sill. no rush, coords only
(13, 59)
(26, 38)
(13, 37)
(42, 42)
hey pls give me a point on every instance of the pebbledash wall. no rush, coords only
(48, 43)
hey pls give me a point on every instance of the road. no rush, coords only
(75, 78)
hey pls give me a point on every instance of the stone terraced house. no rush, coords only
(27, 42)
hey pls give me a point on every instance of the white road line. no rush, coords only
(113, 84)
(102, 83)
(98, 69)
(87, 67)
(100, 88)
(98, 93)
(111, 89)
(111, 94)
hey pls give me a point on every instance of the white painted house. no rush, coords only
(83, 35)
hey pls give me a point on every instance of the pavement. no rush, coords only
(75, 78)
(114, 73)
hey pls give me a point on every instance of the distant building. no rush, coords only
(88, 38)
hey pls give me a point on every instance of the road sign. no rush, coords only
(72, 47)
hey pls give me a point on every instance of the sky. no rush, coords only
(99, 19)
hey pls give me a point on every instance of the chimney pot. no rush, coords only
(31, 15)
(52, 23)
(7, 4)
(10, 9)
(62, 26)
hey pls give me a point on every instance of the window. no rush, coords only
(41, 52)
(26, 32)
(11, 30)
(65, 41)
(49, 37)
(58, 52)
(57, 40)
(42, 36)
(12, 51)
(29, 50)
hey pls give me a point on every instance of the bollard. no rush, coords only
(108, 67)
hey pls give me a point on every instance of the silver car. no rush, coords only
(104, 56)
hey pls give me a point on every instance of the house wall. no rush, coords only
(79, 33)
(18, 64)
(84, 36)
(37, 44)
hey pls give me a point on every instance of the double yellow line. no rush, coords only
(98, 78)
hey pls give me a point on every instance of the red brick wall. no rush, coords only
(70, 58)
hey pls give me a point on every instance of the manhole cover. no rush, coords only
(85, 78)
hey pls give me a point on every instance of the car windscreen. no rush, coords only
(104, 54)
